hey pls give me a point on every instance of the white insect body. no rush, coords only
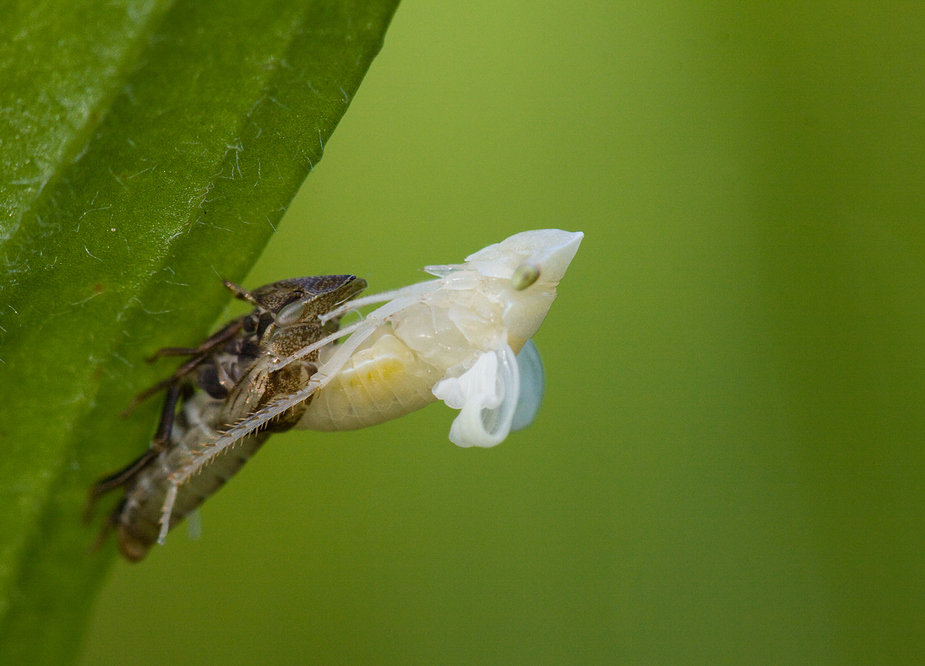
(454, 339)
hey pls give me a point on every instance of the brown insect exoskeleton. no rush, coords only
(226, 379)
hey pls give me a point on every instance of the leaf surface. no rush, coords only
(147, 149)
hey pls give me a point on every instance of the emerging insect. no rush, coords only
(232, 371)
(454, 339)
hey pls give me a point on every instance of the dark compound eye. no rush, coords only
(249, 326)
(210, 382)
(265, 320)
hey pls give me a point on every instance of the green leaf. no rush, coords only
(146, 150)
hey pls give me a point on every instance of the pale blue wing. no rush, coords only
(532, 386)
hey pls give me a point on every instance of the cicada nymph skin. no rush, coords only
(226, 379)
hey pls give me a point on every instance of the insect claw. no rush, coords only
(118, 479)
(104, 533)
(170, 351)
(125, 413)
(92, 498)
(147, 393)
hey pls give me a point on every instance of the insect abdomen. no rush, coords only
(384, 379)
(140, 513)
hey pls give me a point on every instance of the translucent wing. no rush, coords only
(532, 386)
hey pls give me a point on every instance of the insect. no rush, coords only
(226, 378)
(454, 338)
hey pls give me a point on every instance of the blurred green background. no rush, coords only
(729, 464)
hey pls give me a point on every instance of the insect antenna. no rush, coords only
(240, 292)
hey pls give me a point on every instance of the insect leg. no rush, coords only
(158, 443)
(210, 343)
(104, 533)
(116, 480)
(173, 380)
(198, 354)
(168, 414)
(251, 424)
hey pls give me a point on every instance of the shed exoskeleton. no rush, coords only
(226, 379)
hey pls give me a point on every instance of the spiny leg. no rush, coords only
(199, 354)
(158, 443)
(174, 380)
(116, 480)
(209, 344)
(110, 524)
(168, 414)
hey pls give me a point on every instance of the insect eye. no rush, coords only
(250, 324)
(290, 314)
(525, 275)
